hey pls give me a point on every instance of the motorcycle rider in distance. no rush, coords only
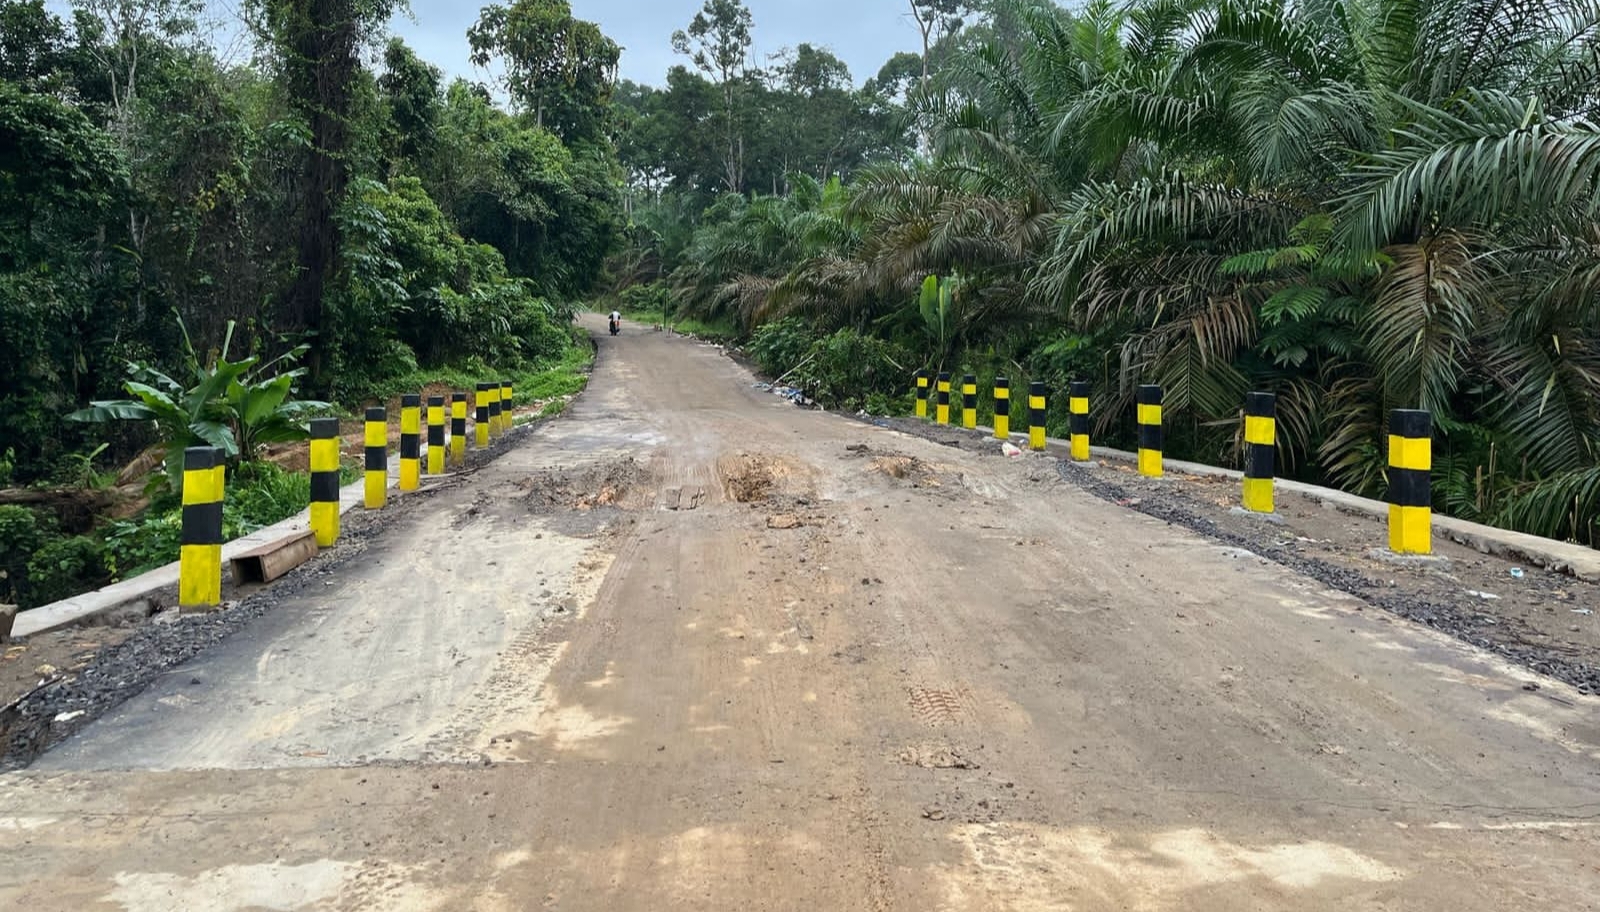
(616, 322)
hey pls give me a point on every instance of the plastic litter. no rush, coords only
(786, 392)
(1486, 596)
(1517, 573)
(1010, 449)
(1583, 611)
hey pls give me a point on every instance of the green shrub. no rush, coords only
(261, 494)
(65, 567)
(652, 299)
(134, 546)
(22, 533)
(847, 368)
(779, 346)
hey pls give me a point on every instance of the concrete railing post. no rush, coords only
(325, 480)
(1078, 405)
(1002, 408)
(1410, 482)
(1037, 412)
(1149, 399)
(376, 439)
(435, 435)
(200, 542)
(410, 441)
(1260, 451)
(969, 402)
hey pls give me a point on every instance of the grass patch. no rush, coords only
(562, 375)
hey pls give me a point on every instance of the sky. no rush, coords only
(863, 33)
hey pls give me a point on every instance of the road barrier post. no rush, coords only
(480, 428)
(410, 441)
(200, 541)
(1410, 485)
(458, 429)
(922, 393)
(942, 410)
(435, 435)
(377, 450)
(1260, 450)
(1078, 405)
(494, 411)
(1002, 408)
(507, 419)
(1036, 415)
(1149, 399)
(325, 480)
(969, 402)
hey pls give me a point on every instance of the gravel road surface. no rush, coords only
(690, 647)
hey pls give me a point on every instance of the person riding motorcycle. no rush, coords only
(616, 322)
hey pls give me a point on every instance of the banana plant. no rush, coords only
(940, 304)
(235, 406)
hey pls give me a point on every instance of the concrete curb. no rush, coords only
(83, 607)
(1561, 557)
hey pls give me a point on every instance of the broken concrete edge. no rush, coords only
(1557, 556)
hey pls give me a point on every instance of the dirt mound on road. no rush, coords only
(604, 484)
(754, 477)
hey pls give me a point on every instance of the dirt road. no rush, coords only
(692, 648)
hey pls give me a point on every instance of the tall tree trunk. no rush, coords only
(321, 43)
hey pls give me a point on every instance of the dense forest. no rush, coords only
(1356, 204)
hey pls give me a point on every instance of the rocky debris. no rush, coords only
(603, 484)
(936, 756)
(784, 521)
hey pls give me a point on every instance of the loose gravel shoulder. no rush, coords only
(1539, 619)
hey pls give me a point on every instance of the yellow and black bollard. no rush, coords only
(480, 428)
(969, 402)
(1260, 450)
(1410, 484)
(507, 419)
(325, 480)
(494, 411)
(200, 542)
(1149, 398)
(377, 443)
(1002, 408)
(941, 410)
(435, 435)
(1078, 405)
(458, 429)
(922, 394)
(1037, 410)
(410, 441)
